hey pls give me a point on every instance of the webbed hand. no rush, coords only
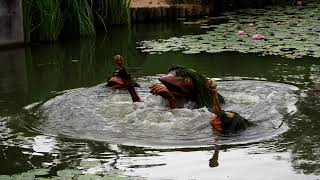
(162, 91)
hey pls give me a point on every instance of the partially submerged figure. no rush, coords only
(181, 85)
(225, 122)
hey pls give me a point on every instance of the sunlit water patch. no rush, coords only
(101, 114)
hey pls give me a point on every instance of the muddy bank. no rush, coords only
(146, 11)
(148, 14)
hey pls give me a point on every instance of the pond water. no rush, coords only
(57, 119)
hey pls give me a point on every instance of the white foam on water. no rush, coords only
(101, 114)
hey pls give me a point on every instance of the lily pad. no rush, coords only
(88, 177)
(68, 173)
(89, 164)
(5, 177)
(39, 172)
(113, 178)
(23, 176)
(289, 33)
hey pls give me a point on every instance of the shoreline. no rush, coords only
(160, 10)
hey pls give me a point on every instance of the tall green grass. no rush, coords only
(81, 14)
(42, 20)
(49, 20)
(112, 11)
(118, 11)
(27, 19)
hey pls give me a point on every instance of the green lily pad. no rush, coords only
(68, 173)
(289, 33)
(89, 164)
(113, 178)
(39, 172)
(89, 177)
(5, 177)
(23, 176)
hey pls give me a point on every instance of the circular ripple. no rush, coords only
(100, 114)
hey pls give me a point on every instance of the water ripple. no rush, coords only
(100, 114)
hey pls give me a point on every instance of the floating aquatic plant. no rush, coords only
(41, 174)
(288, 32)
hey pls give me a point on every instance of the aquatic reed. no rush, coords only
(118, 11)
(27, 19)
(81, 14)
(48, 20)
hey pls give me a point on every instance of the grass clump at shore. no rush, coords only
(49, 20)
(116, 11)
(80, 15)
(50, 17)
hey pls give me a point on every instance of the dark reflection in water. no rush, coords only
(37, 73)
(214, 161)
(304, 135)
(13, 81)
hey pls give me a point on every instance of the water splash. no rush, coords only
(101, 114)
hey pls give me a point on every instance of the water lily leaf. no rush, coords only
(39, 172)
(89, 177)
(68, 173)
(5, 177)
(89, 164)
(191, 52)
(24, 176)
(288, 33)
(113, 178)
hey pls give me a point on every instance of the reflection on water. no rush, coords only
(13, 82)
(214, 161)
(41, 72)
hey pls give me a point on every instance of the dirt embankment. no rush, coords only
(149, 10)
(148, 3)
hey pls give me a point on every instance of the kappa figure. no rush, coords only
(181, 85)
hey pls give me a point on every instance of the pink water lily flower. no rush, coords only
(252, 25)
(257, 37)
(240, 33)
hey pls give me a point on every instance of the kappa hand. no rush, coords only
(162, 91)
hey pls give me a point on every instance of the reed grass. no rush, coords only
(118, 11)
(81, 14)
(48, 20)
(27, 19)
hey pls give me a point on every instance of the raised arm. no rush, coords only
(122, 79)
(225, 122)
(215, 122)
(216, 108)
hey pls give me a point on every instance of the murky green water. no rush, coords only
(41, 72)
